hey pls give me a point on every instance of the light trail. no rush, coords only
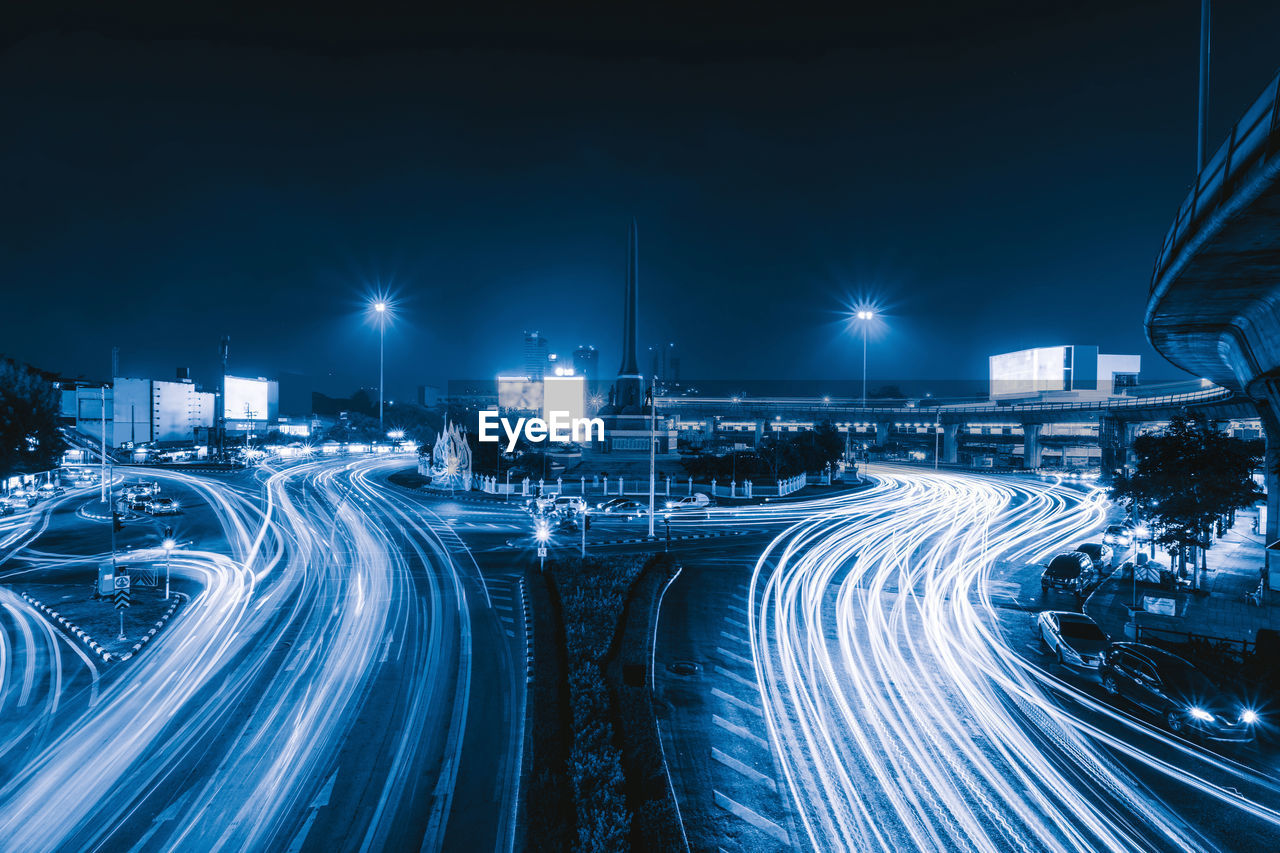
(900, 718)
(223, 733)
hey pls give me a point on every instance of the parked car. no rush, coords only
(1073, 637)
(161, 506)
(1099, 553)
(1176, 692)
(1118, 536)
(1072, 572)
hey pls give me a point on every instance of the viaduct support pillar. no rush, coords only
(1269, 412)
(1032, 453)
(950, 444)
(883, 429)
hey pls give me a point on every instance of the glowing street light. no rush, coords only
(542, 533)
(864, 317)
(381, 311)
(168, 546)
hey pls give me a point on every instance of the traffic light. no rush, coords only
(116, 524)
(168, 533)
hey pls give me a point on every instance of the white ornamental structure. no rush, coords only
(451, 459)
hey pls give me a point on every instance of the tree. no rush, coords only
(29, 437)
(1188, 477)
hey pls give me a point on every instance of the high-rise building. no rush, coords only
(1061, 369)
(536, 350)
(585, 362)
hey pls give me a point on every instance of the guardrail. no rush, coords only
(1245, 146)
(799, 404)
(1237, 650)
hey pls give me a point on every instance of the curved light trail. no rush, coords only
(233, 725)
(901, 719)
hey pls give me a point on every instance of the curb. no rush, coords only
(528, 635)
(93, 644)
(657, 538)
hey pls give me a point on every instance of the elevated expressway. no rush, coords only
(1214, 308)
(1116, 417)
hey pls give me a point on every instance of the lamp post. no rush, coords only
(865, 316)
(542, 533)
(380, 310)
(168, 546)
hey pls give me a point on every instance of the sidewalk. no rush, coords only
(1234, 565)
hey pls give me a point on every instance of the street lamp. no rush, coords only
(168, 546)
(381, 309)
(865, 316)
(542, 533)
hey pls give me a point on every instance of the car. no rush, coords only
(1098, 552)
(1117, 535)
(607, 506)
(1176, 692)
(1073, 637)
(697, 500)
(162, 506)
(569, 504)
(49, 490)
(1071, 571)
(628, 509)
(138, 502)
(6, 508)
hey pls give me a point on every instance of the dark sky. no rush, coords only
(996, 175)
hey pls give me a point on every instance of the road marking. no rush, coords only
(296, 657)
(736, 702)
(746, 770)
(171, 812)
(735, 623)
(321, 800)
(733, 676)
(755, 819)
(733, 637)
(739, 731)
(735, 657)
(386, 649)
(736, 609)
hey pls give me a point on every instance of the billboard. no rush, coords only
(247, 399)
(563, 394)
(1030, 371)
(519, 393)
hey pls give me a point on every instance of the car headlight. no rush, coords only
(1202, 715)
(1249, 716)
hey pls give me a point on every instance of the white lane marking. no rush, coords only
(746, 770)
(755, 819)
(735, 623)
(386, 649)
(736, 702)
(739, 731)
(736, 658)
(321, 800)
(733, 638)
(733, 676)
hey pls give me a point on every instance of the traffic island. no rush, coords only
(95, 622)
(598, 776)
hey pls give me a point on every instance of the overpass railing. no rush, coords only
(1244, 147)
(727, 406)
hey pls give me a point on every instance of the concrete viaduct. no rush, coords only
(1117, 419)
(1214, 306)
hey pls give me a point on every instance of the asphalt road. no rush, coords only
(316, 694)
(871, 682)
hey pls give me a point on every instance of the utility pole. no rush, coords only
(1202, 136)
(653, 448)
(102, 476)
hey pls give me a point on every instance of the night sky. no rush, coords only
(996, 175)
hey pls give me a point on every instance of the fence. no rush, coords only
(666, 486)
(1188, 644)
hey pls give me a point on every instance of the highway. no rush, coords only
(900, 716)
(314, 695)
